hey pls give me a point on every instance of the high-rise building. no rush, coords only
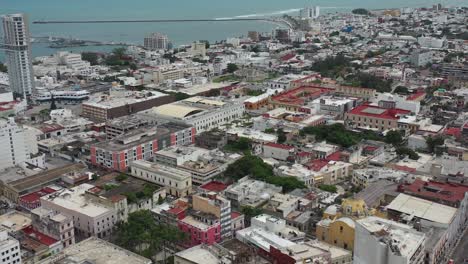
(17, 46)
(9, 248)
(310, 12)
(17, 144)
(156, 41)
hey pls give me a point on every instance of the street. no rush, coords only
(461, 253)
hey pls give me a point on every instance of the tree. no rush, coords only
(408, 152)
(259, 170)
(394, 137)
(401, 90)
(53, 106)
(433, 142)
(119, 52)
(231, 67)
(255, 49)
(142, 235)
(3, 67)
(241, 145)
(121, 177)
(281, 135)
(360, 11)
(334, 33)
(328, 188)
(338, 134)
(90, 57)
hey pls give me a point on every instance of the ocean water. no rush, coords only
(179, 33)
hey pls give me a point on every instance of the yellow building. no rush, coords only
(337, 224)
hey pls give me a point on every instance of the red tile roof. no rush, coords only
(392, 113)
(280, 146)
(415, 96)
(299, 95)
(288, 56)
(453, 131)
(317, 164)
(35, 196)
(43, 238)
(404, 168)
(235, 214)
(438, 191)
(175, 210)
(214, 186)
(335, 156)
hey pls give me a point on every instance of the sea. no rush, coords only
(178, 33)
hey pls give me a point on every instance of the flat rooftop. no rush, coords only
(140, 136)
(117, 101)
(378, 112)
(45, 177)
(14, 221)
(74, 199)
(198, 254)
(423, 209)
(400, 236)
(97, 251)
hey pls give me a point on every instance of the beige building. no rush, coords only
(177, 182)
(374, 117)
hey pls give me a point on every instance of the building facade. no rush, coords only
(9, 248)
(18, 53)
(177, 182)
(140, 144)
(156, 41)
(17, 144)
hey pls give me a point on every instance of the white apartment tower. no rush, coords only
(156, 41)
(9, 249)
(16, 144)
(16, 41)
(310, 12)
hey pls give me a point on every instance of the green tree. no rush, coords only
(401, 90)
(119, 52)
(433, 142)
(334, 34)
(361, 11)
(91, 57)
(240, 145)
(281, 135)
(53, 105)
(328, 188)
(3, 67)
(121, 177)
(231, 67)
(394, 137)
(407, 152)
(259, 170)
(142, 235)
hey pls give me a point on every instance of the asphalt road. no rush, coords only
(461, 252)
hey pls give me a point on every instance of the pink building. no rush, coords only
(201, 228)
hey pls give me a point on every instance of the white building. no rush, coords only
(156, 41)
(89, 218)
(202, 113)
(74, 62)
(17, 144)
(310, 12)
(383, 241)
(431, 42)
(401, 102)
(176, 181)
(9, 248)
(278, 151)
(421, 58)
(16, 38)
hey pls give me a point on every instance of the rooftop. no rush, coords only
(379, 112)
(438, 191)
(423, 209)
(14, 221)
(299, 96)
(402, 239)
(96, 251)
(214, 186)
(114, 100)
(74, 199)
(140, 136)
(198, 254)
(43, 238)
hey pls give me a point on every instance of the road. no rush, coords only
(461, 253)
